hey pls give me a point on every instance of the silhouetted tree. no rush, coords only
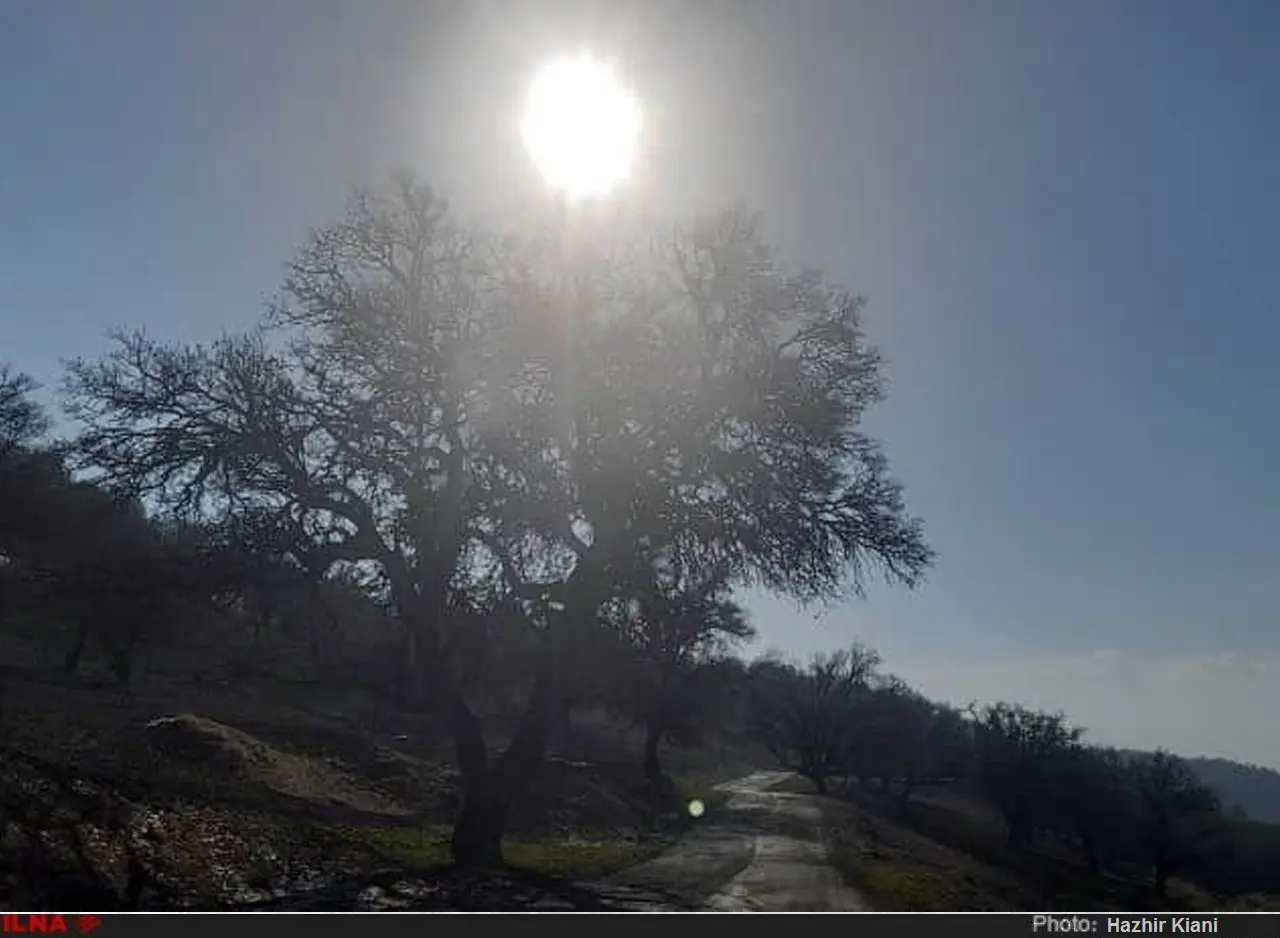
(479, 418)
(676, 627)
(809, 718)
(1097, 795)
(1175, 813)
(894, 736)
(1021, 753)
(22, 420)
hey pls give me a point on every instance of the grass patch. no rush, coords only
(898, 870)
(426, 849)
(421, 849)
(937, 859)
(899, 889)
(578, 859)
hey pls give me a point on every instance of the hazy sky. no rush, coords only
(1063, 214)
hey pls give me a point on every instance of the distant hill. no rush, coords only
(1252, 787)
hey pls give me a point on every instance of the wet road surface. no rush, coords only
(762, 852)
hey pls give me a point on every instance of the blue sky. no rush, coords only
(1061, 212)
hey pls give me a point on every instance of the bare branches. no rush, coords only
(502, 429)
(22, 420)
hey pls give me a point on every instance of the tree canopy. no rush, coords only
(501, 431)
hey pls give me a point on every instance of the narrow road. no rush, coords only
(762, 852)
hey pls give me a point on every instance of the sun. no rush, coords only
(580, 126)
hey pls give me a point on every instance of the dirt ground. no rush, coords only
(220, 798)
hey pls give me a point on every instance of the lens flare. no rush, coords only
(580, 125)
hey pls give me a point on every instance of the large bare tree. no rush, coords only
(500, 429)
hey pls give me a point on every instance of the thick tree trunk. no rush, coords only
(477, 833)
(489, 790)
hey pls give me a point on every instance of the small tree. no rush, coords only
(675, 628)
(22, 420)
(808, 718)
(895, 736)
(1096, 799)
(1175, 814)
(1020, 752)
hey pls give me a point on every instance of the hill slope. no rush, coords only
(1254, 788)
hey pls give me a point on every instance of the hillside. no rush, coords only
(1254, 788)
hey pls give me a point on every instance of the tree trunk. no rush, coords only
(477, 834)
(820, 783)
(490, 789)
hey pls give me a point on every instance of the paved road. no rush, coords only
(763, 852)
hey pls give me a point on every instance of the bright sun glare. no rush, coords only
(580, 126)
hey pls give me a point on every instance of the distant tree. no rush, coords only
(1021, 753)
(477, 416)
(78, 555)
(1175, 814)
(1098, 798)
(952, 744)
(676, 627)
(894, 736)
(22, 420)
(808, 717)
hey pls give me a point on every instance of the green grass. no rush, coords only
(586, 855)
(889, 886)
(899, 870)
(427, 848)
(419, 848)
(938, 858)
(578, 859)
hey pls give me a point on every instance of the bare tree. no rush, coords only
(1175, 813)
(809, 718)
(1021, 753)
(477, 421)
(1097, 799)
(22, 419)
(675, 627)
(894, 736)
